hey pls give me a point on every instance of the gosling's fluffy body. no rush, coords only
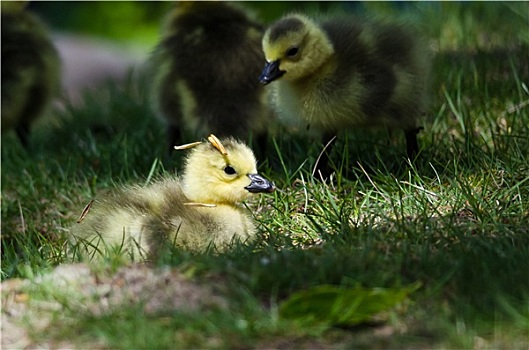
(347, 73)
(205, 70)
(141, 220)
(192, 212)
(30, 69)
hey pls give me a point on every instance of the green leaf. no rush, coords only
(335, 305)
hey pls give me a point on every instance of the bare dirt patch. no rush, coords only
(30, 306)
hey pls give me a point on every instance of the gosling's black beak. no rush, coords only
(271, 72)
(260, 184)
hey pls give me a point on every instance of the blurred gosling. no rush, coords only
(204, 72)
(30, 69)
(342, 74)
(192, 212)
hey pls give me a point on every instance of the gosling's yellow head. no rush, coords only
(222, 172)
(294, 47)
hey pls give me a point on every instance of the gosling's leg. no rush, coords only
(412, 146)
(34, 107)
(323, 170)
(22, 131)
(261, 146)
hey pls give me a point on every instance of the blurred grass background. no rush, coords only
(456, 25)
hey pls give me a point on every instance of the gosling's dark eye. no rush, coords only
(229, 170)
(292, 51)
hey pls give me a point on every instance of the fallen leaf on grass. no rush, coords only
(341, 306)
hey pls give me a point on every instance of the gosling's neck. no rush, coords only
(195, 190)
(198, 189)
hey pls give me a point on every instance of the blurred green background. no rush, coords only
(455, 25)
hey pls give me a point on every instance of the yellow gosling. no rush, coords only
(342, 73)
(199, 209)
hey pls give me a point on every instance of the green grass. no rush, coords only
(457, 220)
